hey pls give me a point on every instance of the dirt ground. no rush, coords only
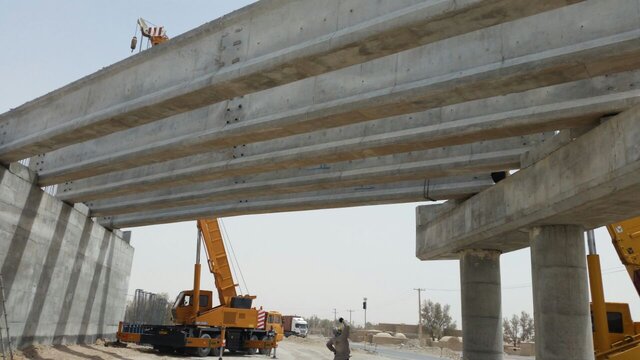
(290, 349)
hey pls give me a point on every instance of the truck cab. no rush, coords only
(295, 325)
(274, 323)
(300, 327)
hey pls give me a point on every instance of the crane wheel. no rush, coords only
(215, 351)
(203, 351)
(252, 351)
(265, 351)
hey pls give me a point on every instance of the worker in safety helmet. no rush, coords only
(339, 343)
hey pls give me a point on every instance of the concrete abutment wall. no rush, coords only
(66, 277)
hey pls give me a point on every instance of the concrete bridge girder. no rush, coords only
(371, 171)
(427, 164)
(223, 62)
(409, 191)
(487, 62)
(568, 105)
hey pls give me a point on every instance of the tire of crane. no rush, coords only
(215, 351)
(252, 351)
(203, 351)
(264, 351)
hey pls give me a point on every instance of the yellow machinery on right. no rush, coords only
(615, 335)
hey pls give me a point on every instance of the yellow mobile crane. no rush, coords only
(202, 329)
(615, 335)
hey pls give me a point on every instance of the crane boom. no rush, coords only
(218, 260)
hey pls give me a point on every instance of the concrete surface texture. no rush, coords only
(481, 305)
(344, 104)
(65, 277)
(560, 293)
(252, 49)
(578, 183)
(357, 105)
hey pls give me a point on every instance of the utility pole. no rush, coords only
(364, 307)
(350, 312)
(419, 290)
(335, 318)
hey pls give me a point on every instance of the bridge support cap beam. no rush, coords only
(481, 305)
(578, 184)
(560, 293)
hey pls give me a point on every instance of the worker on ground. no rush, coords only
(339, 343)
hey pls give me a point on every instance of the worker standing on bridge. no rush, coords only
(339, 343)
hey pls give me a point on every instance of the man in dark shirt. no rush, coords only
(339, 343)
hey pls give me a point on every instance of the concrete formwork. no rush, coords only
(66, 277)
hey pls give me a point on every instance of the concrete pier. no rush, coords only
(560, 293)
(481, 305)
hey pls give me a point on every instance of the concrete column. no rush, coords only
(560, 293)
(481, 305)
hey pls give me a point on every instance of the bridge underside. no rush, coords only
(404, 101)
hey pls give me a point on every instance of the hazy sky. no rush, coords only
(306, 262)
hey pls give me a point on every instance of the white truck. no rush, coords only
(295, 325)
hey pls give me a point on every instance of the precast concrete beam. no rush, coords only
(570, 105)
(411, 191)
(561, 293)
(592, 181)
(481, 305)
(482, 157)
(320, 178)
(258, 47)
(485, 63)
(423, 165)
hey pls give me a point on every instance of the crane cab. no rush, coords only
(182, 311)
(620, 324)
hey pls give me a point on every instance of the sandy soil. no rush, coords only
(290, 349)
